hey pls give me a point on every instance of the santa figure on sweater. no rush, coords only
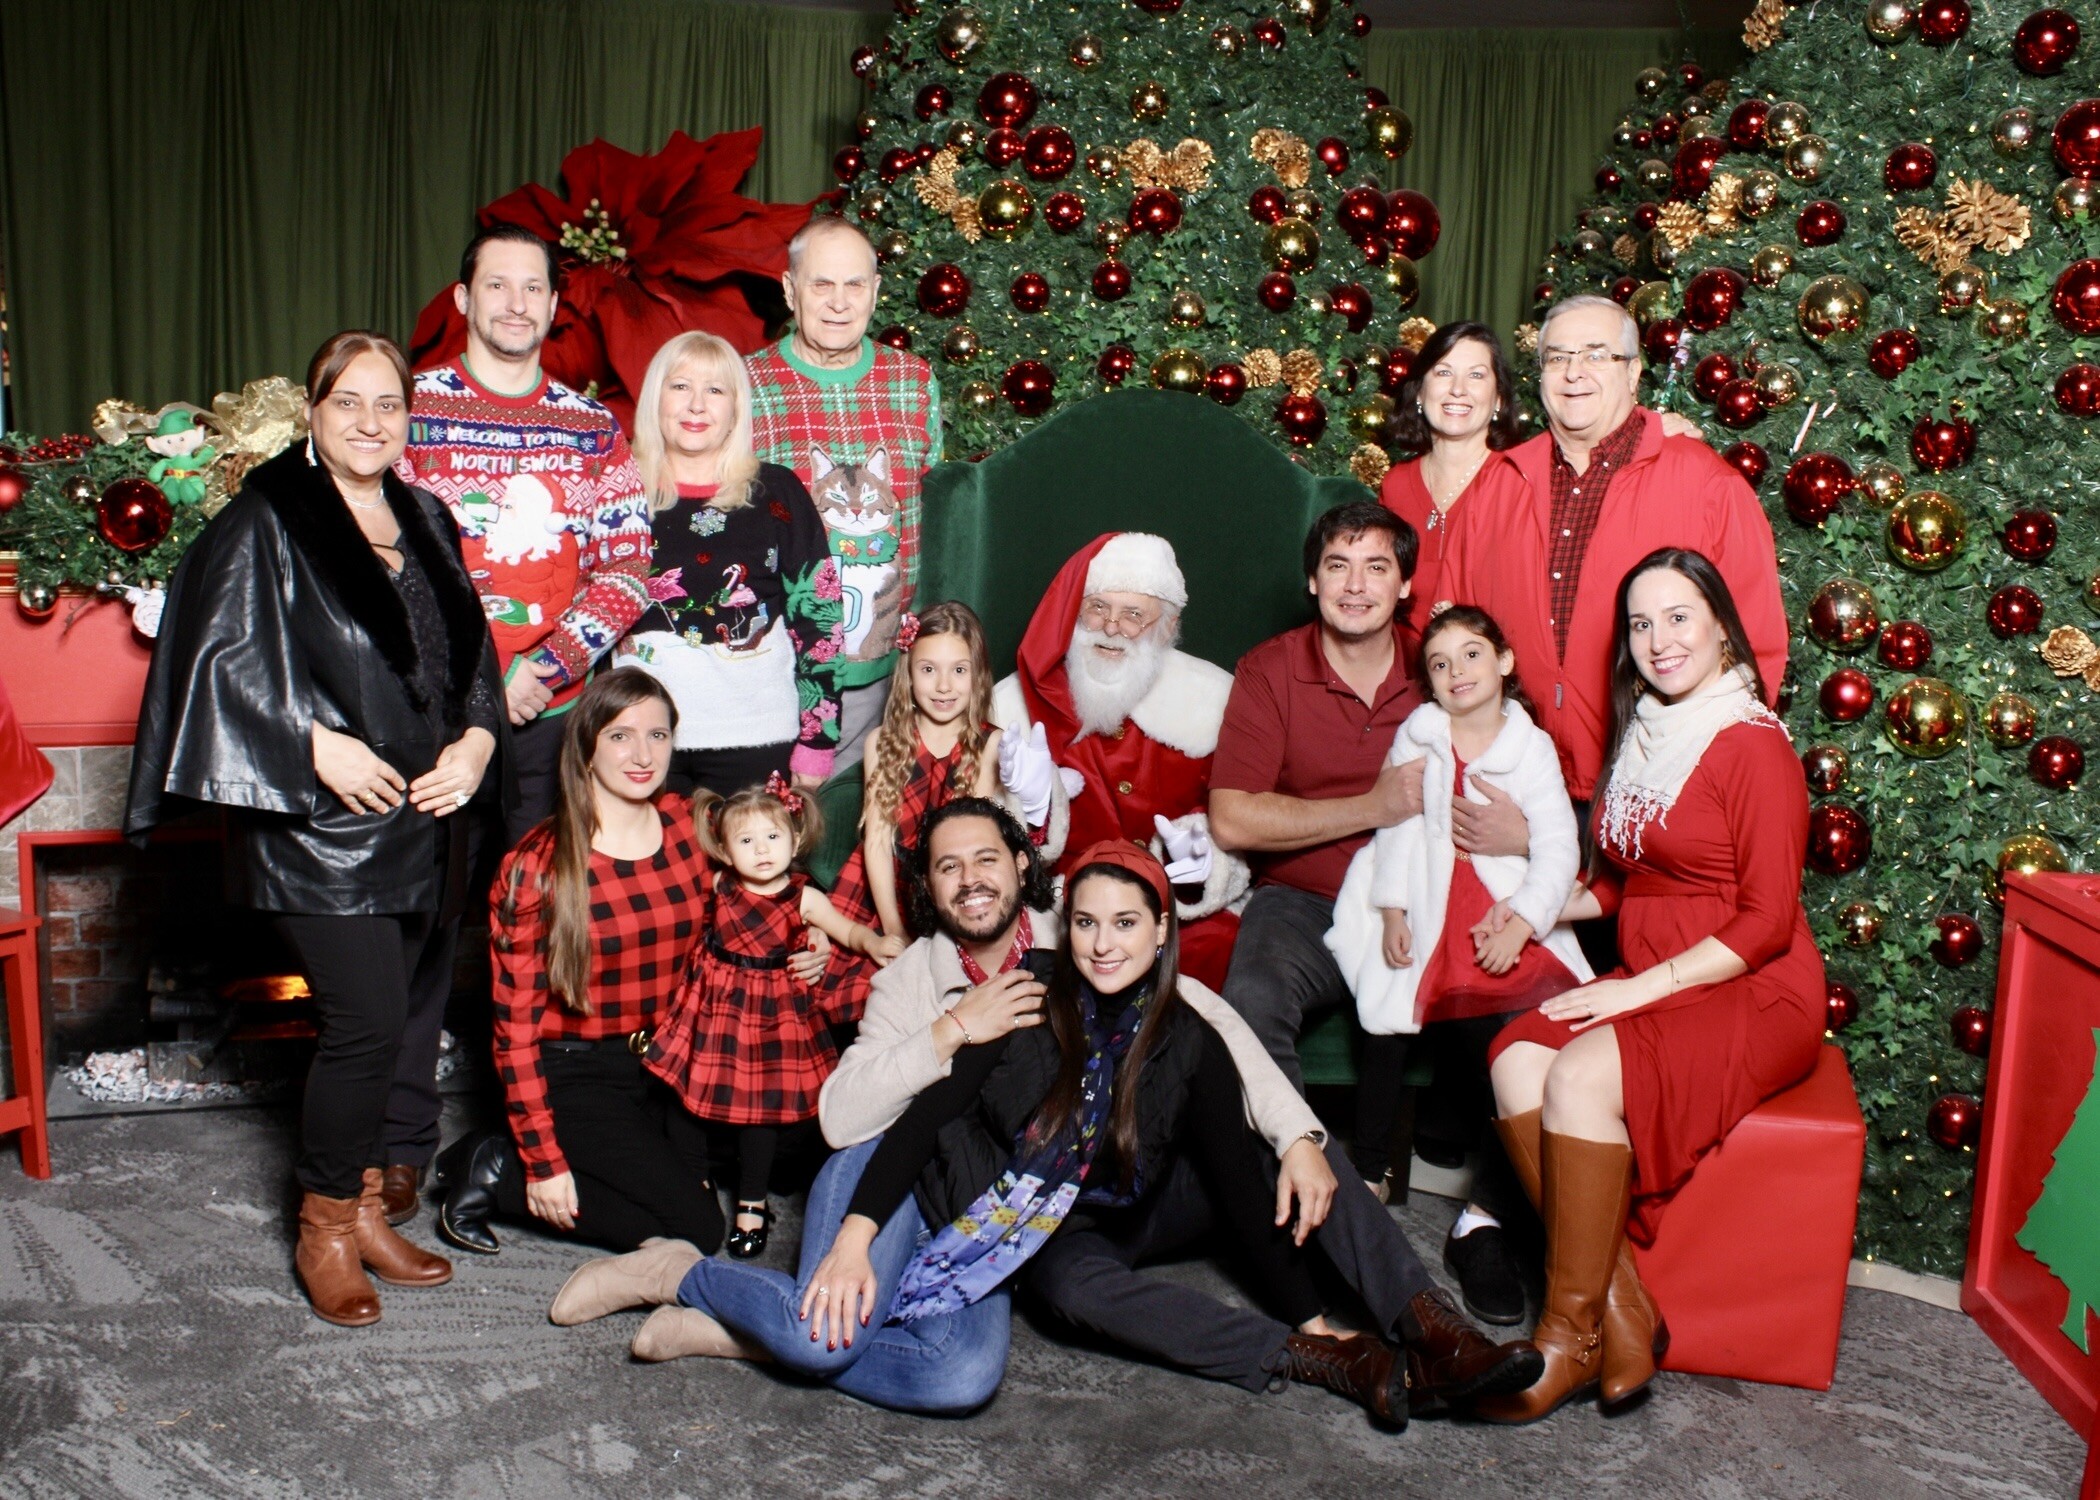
(1109, 732)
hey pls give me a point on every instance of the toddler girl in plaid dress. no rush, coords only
(745, 1044)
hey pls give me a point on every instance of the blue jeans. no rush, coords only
(938, 1366)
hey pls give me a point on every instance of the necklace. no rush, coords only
(1439, 504)
(379, 504)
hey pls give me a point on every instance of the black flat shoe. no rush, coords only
(746, 1244)
(1487, 1276)
(474, 1170)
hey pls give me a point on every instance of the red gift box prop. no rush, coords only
(1749, 1263)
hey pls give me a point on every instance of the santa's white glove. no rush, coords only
(1026, 769)
(1188, 852)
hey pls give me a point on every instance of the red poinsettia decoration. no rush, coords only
(651, 247)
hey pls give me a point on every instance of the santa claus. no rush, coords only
(1109, 731)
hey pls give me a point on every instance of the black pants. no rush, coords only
(727, 771)
(639, 1160)
(1458, 1107)
(379, 987)
(535, 754)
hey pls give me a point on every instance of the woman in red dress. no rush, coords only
(1610, 1093)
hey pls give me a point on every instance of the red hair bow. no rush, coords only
(780, 787)
(907, 630)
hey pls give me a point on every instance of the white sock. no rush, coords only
(1472, 1219)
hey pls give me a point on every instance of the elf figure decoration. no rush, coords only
(183, 454)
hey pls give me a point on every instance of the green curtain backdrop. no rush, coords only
(193, 194)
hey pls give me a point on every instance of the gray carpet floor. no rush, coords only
(152, 1345)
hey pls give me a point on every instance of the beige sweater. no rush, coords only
(893, 1059)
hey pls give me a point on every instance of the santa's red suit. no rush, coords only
(1156, 763)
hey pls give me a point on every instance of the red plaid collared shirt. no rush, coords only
(1578, 500)
(646, 915)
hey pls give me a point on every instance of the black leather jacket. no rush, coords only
(279, 617)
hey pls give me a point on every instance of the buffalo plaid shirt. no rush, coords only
(1578, 500)
(645, 917)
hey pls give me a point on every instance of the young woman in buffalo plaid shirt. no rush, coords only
(748, 1043)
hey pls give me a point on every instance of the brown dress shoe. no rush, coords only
(1588, 1186)
(1451, 1361)
(327, 1262)
(1635, 1335)
(401, 1190)
(389, 1257)
(1364, 1369)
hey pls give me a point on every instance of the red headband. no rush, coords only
(1125, 855)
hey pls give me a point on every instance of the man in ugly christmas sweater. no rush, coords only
(547, 497)
(859, 423)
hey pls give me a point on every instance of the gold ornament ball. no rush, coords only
(960, 346)
(871, 205)
(978, 398)
(2075, 199)
(1844, 615)
(2009, 720)
(1005, 208)
(964, 135)
(1608, 218)
(1769, 264)
(1649, 83)
(1316, 303)
(1653, 175)
(1390, 131)
(1661, 251)
(1807, 159)
(2004, 321)
(1890, 21)
(959, 34)
(1403, 280)
(892, 245)
(1148, 101)
(1367, 422)
(1762, 192)
(1622, 137)
(1698, 128)
(1785, 123)
(1228, 41)
(866, 123)
(1859, 924)
(1102, 164)
(1292, 245)
(1185, 309)
(1833, 309)
(1178, 370)
(1882, 484)
(80, 490)
(1777, 386)
(1587, 243)
(1087, 51)
(1109, 236)
(1652, 300)
(1962, 288)
(1302, 203)
(1925, 718)
(1311, 14)
(1694, 106)
(1826, 765)
(2013, 132)
(2026, 854)
(1926, 531)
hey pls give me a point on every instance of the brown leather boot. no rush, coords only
(391, 1258)
(1635, 1335)
(327, 1262)
(1587, 1187)
(402, 1192)
(1366, 1370)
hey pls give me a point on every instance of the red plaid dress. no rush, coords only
(930, 785)
(744, 1043)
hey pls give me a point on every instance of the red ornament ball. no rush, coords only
(2056, 761)
(1738, 405)
(1351, 303)
(1155, 211)
(1609, 179)
(862, 62)
(2076, 300)
(1360, 212)
(850, 162)
(1893, 352)
(1269, 32)
(1268, 205)
(895, 336)
(133, 515)
(1111, 281)
(1815, 485)
(1713, 297)
(1954, 1121)
(1360, 25)
(1030, 292)
(2078, 391)
(1960, 939)
(1905, 645)
(1302, 419)
(1971, 1029)
(2077, 138)
(934, 99)
(1847, 695)
(896, 162)
(1749, 460)
(1159, 7)
(1277, 291)
(1116, 363)
(1820, 223)
(1692, 169)
(2030, 535)
(2014, 610)
(14, 484)
(1910, 168)
(1840, 1006)
(1333, 155)
(1006, 100)
(1622, 290)
(1645, 216)
(1399, 364)
(1003, 147)
(1746, 125)
(1710, 374)
(2045, 41)
(1064, 212)
(1839, 840)
(1225, 384)
(1030, 385)
(1938, 444)
(1411, 223)
(1048, 152)
(1941, 22)
(943, 291)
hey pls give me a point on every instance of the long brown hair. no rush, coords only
(897, 737)
(715, 816)
(1471, 617)
(1061, 1009)
(566, 885)
(1411, 429)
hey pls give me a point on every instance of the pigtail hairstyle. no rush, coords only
(566, 886)
(896, 741)
(715, 816)
(1481, 623)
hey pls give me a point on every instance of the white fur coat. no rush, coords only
(1410, 865)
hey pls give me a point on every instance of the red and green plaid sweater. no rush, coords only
(815, 421)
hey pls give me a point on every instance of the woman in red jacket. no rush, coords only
(1610, 1093)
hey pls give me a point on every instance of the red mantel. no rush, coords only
(75, 677)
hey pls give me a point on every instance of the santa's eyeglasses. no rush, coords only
(1096, 613)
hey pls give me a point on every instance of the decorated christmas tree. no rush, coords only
(2063, 1228)
(1066, 198)
(1869, 268)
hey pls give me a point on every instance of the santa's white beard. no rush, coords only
(1106, 688)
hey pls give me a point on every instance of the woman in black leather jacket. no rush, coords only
(324, 672)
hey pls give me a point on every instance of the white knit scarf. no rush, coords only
(1664, 745)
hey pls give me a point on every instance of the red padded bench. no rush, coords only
(1749, 1263)
(24, 1109)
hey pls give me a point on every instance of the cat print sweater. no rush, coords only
(743, 623)
(859, 438)
(550, 511)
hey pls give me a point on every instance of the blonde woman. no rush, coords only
(744, 624)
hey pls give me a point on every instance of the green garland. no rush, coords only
(56, 538)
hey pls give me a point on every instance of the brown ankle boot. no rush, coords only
(1635, 1335)
(1364, 1369)
(1587, 1187)
(391, 1258)
(327, 1262)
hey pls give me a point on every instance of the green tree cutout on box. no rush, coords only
(2063, 1228)
(1066, 198)
(1869, 268)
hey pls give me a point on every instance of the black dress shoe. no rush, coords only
(748, 1244)
(1487, 1275)
(1449, 1360)
(479, 1168)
